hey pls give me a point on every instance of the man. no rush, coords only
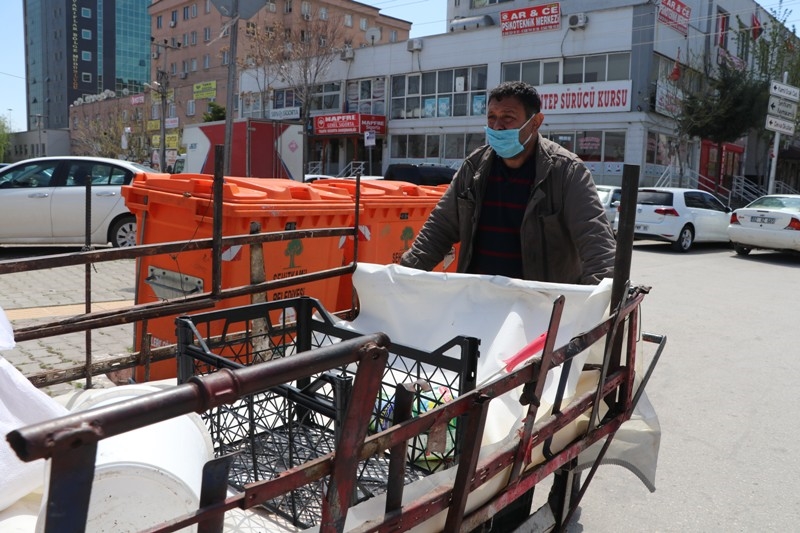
(521, 206)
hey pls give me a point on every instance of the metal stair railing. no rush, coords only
(745, 190)
(671, 177)
(783, 188)
(314, 167)
(352, 168)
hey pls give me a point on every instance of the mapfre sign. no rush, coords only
(349, 123)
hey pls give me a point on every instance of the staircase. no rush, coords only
(352, 168)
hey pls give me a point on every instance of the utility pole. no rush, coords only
(234, 37)
(161, 87)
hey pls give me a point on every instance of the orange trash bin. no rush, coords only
(179, 207)
(391, 215)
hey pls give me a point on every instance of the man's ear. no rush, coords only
(538, 118)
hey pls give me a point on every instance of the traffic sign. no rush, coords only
(784, 91)
(780, 125)
(781, 108)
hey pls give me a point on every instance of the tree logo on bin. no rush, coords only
(407, 236)
(294, 248)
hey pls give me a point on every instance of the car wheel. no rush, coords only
(741, 250)
(122, 232)
(685, 239)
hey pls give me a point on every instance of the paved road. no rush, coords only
(725, 394)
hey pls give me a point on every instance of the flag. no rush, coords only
(675, 75)
(757, 29)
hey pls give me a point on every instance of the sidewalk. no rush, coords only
(40, 296)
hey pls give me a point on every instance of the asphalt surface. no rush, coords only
(40, 296)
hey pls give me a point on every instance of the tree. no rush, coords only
(5, 133)
(98, 128)
(264, 50)
(774, 48)
(215, 112)
(724, 100)
(309, 48)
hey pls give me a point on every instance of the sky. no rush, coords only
(428, 17)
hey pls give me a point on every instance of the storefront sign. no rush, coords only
(601, 97)
(531, 19)
(205, 89)
(668, 99)
(137, 99)
(172, 123)
(287, 113)
(344, 123)
(376, 123)
(675, 14)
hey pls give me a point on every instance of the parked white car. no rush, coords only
(771, 222)
(610, 196)
(679, 216)
(43, 201)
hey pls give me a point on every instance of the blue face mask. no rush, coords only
(506, 142)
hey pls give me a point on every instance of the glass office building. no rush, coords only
(82, 48)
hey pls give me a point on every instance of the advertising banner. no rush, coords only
(205, 89)
(349, 123)
(675, 14)
(600, 97)
(531, 19)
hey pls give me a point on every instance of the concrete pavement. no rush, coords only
(36, 297)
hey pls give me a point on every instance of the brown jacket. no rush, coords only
(566, 237)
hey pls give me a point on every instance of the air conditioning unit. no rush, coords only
(348, 54)
(414, 45)
(578, 21)
(306, 16)
(172, 23)
(155, 55)
(183, 75)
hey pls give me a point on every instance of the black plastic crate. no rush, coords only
(275, 430)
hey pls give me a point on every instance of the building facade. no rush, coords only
(190, 50)
(607, 73)
(79, 49)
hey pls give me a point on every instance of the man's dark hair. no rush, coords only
(520, 90)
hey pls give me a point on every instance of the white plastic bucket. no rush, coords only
(146, 476)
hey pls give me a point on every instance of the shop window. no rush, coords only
(432, 146)
(398, 146)
(416, 146)
(473, 141)
(567, 140)
(454, 146)
(589, 147)
(614, 146)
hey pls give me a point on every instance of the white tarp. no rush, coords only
(21, 404)
(426, 309)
